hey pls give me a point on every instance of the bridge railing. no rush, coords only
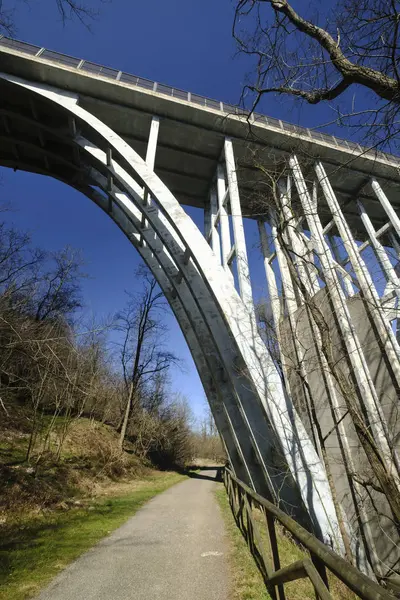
(331, 576)
(148, 84)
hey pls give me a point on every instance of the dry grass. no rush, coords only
(289, 552)
(89, 462)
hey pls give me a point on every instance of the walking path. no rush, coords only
(173, 548)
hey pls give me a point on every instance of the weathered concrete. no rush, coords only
(173, 548)
(377, 526)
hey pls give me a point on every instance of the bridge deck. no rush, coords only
(193, 129)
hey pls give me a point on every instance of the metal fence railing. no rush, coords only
(326, 570)
(148, 84)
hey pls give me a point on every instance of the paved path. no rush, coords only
(173, 548)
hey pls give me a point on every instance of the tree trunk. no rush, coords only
(126, 415)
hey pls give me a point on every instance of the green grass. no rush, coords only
(34, 549)
(247, 582)
(13, 452)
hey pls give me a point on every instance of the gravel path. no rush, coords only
(173, 548)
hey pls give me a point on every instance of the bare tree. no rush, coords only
(173, 448)
(40, 364)
(143, 354)
(57, 290)
(67, 9)
(319, 54)
(206, 441)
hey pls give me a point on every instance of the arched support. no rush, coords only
(213, 387)
(267, 441)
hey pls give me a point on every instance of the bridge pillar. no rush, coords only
(223, 198)
(330, 308)
(239, 249)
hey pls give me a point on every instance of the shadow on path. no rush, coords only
(216, 476)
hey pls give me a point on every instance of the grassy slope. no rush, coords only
(34, 548)
(90, 460)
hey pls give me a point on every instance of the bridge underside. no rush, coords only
(324, 233)
(191, 139)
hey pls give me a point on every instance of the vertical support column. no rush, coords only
(223, 217)
(238, 229)
(152, 143)
(270, 276)
(150, 160)
(396, 248)
(395, 221)
(380, 253)
(110, 181)
(364, 278)
(214, 217)
(287, 284)
(387, 207)
(350, 339)
(152, 146)
(211, 218)
(392, 278)
(347, 285)
(307, 273)
(207, 221)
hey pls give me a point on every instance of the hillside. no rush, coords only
(90, 461)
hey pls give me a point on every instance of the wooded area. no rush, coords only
(58, 375)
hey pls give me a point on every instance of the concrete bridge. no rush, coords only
(327, 213)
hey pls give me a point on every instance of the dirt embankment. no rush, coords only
(90, 461)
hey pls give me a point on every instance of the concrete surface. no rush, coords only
(192, 136)
(173, 548)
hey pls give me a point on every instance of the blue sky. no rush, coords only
(185, 44)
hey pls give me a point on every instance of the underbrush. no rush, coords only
(90, 460)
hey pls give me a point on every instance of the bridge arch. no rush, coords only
(256, 419)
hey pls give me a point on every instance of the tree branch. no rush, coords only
(384, 86)
(313, 97)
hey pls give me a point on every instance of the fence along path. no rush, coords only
(262, 540)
